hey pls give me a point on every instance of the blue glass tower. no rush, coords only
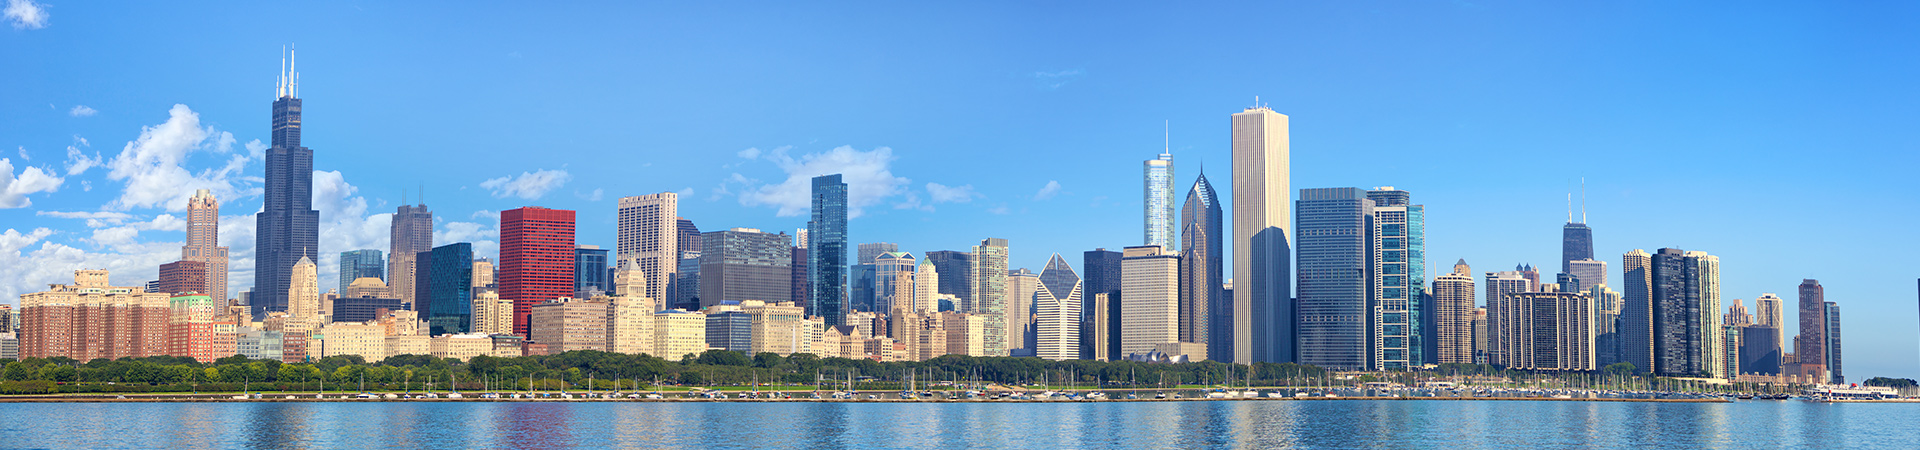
(1334, 276)
(449, 280)
(827, 250)
(359, 264)
(590, 272)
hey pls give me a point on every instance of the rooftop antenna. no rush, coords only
(1166, 137)
(293, 69)
(280, 82)
(1569, 207)
(1583, 199)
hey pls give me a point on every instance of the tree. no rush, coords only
(1896, 383)
(1620, 368)
(723, 358)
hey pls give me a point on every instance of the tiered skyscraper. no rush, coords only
(1159, 201)
(287, 228)
(1201, 272)
(827, 250)
(1810, 348)
(203, 243)
(410, 234)
(1263, 316)
(651, 236)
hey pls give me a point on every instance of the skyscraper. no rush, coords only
(865, 276)
(536, 259)
(742, 264)
(1158, 215)
(287, 228)
(1548, 331)
(1576, 244)
(1263, 316)
(887, 287)
(1336, 322)
(1398, 259)
(1674, 346)
(1101, 268)
(1636, 311)
(1589, 272)
(1766, 310)
(1703, 294)
(1150, 315)
(1499, 286)
(1056, 314)
(1454, 305)
(203, 242)
(1810, 347)
(1022, 284)
(357, 264)
(990, 293)
(590, 274)
(411, 233)
(1832, 316)
(1202, 272)
(956, 275)
(303, 292)
(650, 233)
(449, 280)
(827, 250)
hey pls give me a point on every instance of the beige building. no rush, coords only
(366, 339)
(649, 235)
(1260, 202)
(566, 324)
(462, 346)
(1547, 331)
(966, 333)
(630, 312)
(678, 332)
(779, 328)
(926, 288)
(482, 272)
(368, 287)
(1453, 298)
(303, 292)
(1022, 284)
(1150, 300)
(409, 345)
(491, 314)
(203, 242)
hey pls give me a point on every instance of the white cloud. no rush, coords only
(485, 237)
(528, 185)
(23, 154)
(115, 217)
(26, 15)
(1002, 209)
(955, 194)
(152, 164)
(867, 174)
(1046, 192)
(78, 162)
(344, 223)
(31, 269)
(592, 197)
(15, 188)
(686, 192)
(81, 111)
(751, 153)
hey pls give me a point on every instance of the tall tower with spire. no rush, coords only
(287, 229)
(1576, 240)
(1159, 200)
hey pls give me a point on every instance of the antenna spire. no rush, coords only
(1166, 137)
(293, 69)
(1583, 199)
(280, 82)
(1569, 207)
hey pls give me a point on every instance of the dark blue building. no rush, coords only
(448, 305)
(359, 264)
(590, 272)
(827, 250)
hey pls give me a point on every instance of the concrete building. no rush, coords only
(1150, 315)
(410, 233)
(303, 295)
(366, 339)
(1022, 284)
(1499, 284)
(1589, 272)
(1263, 316)
(192, 331)
(492, 314)
(990, 293)
(742, 264)
(567, 324)
(780, 328)
(461, 346)
(203, 243)
(649, 235)
(1811, 346)
(629, 312)
(483, 273)
(536, 259)
(1766, 310)
(1703, 292)
(1636, 310)
(182, 277)
(259, 344)
(1454, 303)
(1548, 331)
(1056, 318)
(1101, 328)
(926, 288)
(966, 333)
(368, 287)
(677, 333)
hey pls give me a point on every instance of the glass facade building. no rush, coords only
(1401, 323)
(590, 272)
(1202, 275)
(359, 264)
(1335, 317)
(730, 330)
(745, 264)
(449, 284)
(827, 250)
(1159, 204)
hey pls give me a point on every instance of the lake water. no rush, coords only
(1209, 424)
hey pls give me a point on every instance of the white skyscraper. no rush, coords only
(1022, 284)
(649, 235)
(1262, 249)
(1159, 202)
(1057, 312)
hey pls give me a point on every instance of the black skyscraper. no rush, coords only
(1203, 305)
(1101, 274)
(1576, 243)
(287, 228)
(1673, 315)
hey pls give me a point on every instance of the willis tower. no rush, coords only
(287, 228)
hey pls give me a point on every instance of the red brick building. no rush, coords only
(536, 259)
(184, 276)
(89, 319)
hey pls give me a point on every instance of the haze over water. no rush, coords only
(1191, 424)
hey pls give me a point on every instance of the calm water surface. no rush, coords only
(1213, 424)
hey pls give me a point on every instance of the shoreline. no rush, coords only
(345, 399)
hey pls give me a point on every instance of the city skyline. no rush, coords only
(345, 152)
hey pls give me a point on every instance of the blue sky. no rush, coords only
(1775, 135)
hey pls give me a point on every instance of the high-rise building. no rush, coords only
(729, 328)
(1263, 316)
(590, 274)
(184, 276)
(1760, 350)
(483, 273)
(1454, 303)
(683, 288)
(1336, 325)
(1158, 216)
(410, 234)
(1576, 244)
(742, 264)
(1056, 314)
(1398, 241)
(827, 250)
(303, 292)
(926, 288)
(865, 276)
(536, 259)
(287, 227)
(1703, 293)
(1674, 345)
(629, 312)
(1589, 272)
(1202, 271)
(1832, 316)
(192, 330)
(449, 281)
(889, 287)
(1499, 284)
(1766, 311)
(800, 273)
(1022, 284)
(1548, 331)
(871, 251)
(89, 320)
(1810, 347)
(1150, 315)
(203, 242)
(491, 314)
(650, 233)
(1636, 310)
(1737, 315)
(1101, 270)
(357, 264)
(956, 275)
(990, 292)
